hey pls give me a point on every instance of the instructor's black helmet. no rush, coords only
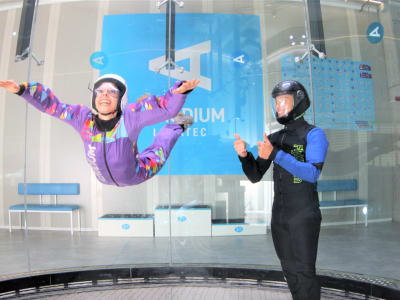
(301, 100)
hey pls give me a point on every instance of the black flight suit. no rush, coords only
(296, 217)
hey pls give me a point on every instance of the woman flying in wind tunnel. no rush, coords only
(110, 128)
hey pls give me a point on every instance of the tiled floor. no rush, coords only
(370, 251)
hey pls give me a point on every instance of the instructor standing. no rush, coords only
(298, 152)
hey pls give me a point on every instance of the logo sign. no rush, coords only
(223, 51)
(182, 218)
(99, 60)
(375, 32)
(126, 226)
(239, 229)
(240, 59)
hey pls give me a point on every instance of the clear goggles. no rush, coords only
(113, 92)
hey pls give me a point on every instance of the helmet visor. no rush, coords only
(282, 105)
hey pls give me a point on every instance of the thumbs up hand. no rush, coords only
(240, 146)
(265, 148)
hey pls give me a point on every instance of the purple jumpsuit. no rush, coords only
(113, 155)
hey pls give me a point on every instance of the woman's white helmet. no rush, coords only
(121, 85)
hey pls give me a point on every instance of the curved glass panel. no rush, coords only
(12, 147)
(354, 94)
(99, 224)
(236, 47)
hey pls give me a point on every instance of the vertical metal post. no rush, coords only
(316, 26)
(170, 38)
(311, 92)
(26, 137)
(169, 65)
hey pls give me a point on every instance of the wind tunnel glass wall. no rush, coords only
(354, 97)
(355, 90)
(241, 43)
(201, 199)
(76, 41)
(12, 144)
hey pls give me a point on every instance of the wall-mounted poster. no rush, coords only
(224, 52)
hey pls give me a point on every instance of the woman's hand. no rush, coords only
(186, 86)
(10, 86)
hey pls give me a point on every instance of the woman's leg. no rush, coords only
(153, 158)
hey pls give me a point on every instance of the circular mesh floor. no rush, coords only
(183, 292)
(179, 292)
(185, 282)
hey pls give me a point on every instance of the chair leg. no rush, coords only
(72, 223)
(79, 220)
(9, 220)
(355, 215)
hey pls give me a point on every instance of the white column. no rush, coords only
(153, 7)
(352, 16)
(207, 6)
(5, 55)
(45, 120)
